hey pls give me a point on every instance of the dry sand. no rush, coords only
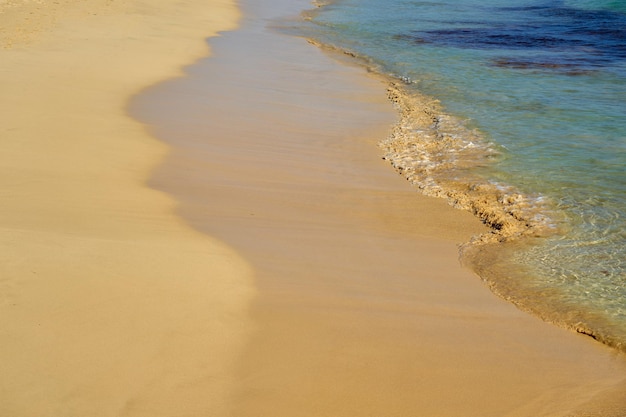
(110, 305)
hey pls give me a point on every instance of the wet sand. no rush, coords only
(363, 308)
(293, 273)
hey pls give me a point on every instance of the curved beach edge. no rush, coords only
(109, 303)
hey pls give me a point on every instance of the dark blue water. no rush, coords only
(528, 131)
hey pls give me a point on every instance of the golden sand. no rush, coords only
(349, 299)
(109, 303)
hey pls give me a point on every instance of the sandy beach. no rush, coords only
(110, 305)
(209, 230)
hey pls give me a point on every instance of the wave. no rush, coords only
(440, 155)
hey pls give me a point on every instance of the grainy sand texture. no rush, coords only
(110, 305)
(261, 259)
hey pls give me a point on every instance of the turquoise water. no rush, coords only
(532, 111)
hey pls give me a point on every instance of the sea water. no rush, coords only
(517, 112)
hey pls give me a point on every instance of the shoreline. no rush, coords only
(425, 147)
(272, 266)
(529, 256)
(514, 220)
(362, 306)
(109, 303)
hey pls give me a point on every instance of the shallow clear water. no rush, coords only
(542, 85)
